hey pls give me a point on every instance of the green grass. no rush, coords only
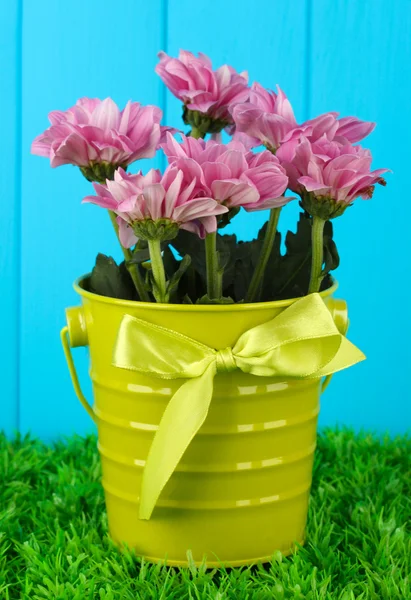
(54, 543)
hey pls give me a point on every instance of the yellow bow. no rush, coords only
(301, 342)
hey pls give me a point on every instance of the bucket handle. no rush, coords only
(72, 335)
(339, 312)
(325, 383)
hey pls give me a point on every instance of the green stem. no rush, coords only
(196, 133)
(132, 268)
(317, 259)
(214, 277)
(253, 294)
(157, 266)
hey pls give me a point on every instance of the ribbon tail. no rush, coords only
(183, 417)
(347, 355)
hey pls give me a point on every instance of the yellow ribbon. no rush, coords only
(300, 342)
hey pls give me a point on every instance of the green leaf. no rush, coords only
(242, 263)
(237, 259)
(170, 262)
(194, 280)
(292, 276)
(173, 282)
(226, 218)
(112, 280)
(183, 276)
(273, 263)
(189, 243)
(285, 277)
(152, 284)
(206, 300)
(140, 256)
(226, 246)
(331, 256)
(141, 252)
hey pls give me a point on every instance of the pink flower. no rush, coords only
(347, 130)
(353, 130)
(193, 80)
(269, 178)
(96, 131)
(330, 170)
(229, 173)
(267, 117)
(138, 199)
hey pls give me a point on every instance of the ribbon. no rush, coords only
(300, 342)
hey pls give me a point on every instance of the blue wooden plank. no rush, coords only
(89, 50)
(10, 60)
(361, 56)
(269, 40)
(60, 237)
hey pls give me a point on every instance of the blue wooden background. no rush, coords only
(342, 55)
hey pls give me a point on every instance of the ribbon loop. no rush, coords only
(301, 341)
(225, 361)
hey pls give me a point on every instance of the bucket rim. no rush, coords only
(196, 308)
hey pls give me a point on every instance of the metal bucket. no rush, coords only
(241, 489)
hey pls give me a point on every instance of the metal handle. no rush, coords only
(325, 383)
(338, 309)
(75, 334)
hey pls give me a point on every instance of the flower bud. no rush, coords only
(204, 123)
(161, 229)
(324, 207)
(100, 171)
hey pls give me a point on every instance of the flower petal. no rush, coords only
(234, 193)
(126, 233)
(154, 195)
(106, 116)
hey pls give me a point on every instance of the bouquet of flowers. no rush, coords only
(170, 224)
